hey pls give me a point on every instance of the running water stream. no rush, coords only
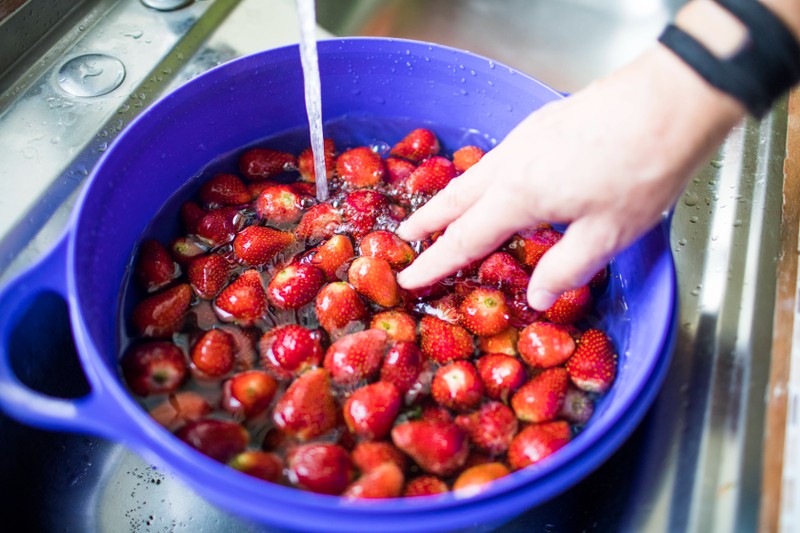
(308, 55)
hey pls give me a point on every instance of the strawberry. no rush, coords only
(417, 145)
(370, 410)
(279, 204)
(593, 367)
(530, 245)
(438, 448)
(295, 286)
(305, 161)
(320, 222)
(399, 325)
(257, 245)
(320, 467)
(520, 313)
(388, 246)
(384, 481)
(255, 188)
(222, 190)
(537, 441)
(185, 249)
(308, 408)
(472, 480)
(244, 344)
(219, 439)
(208, 275)
(261, 465)
(501, 375)
(360, 167)
(434, 412)
(402, 365)
(180, 408)
(491, 428)
(484, 311)
(466, 156)
(331, 255)
(162, 314)
(154, 368)
(431, 176)
(304, 188)
(370, 454)
(262, 163)
(373, 278)
(457, 386)
(442, 342)
(425, 486)
(544, 345)
(190, 214)
(244, 300)
(219, 226)
(155, 268)
(213, 353)
(578, 407)
(570, 306)
(339, 308)
(502, 271)
(249, 393)
(289, 350)
(356, 357)
(362, 209)
(397, 170)
(540, 399)
(504, 342)
(447, 308)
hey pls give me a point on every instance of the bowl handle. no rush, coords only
(85, 414)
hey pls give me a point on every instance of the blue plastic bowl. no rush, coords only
(255, 97)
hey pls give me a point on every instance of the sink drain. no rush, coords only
(91, 75)
(166, 5)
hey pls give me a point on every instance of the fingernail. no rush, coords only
(402, 278)
(401, 230)
(541, 299)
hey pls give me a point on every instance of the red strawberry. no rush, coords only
(530, 245)
(543, 345)
(248, 393)
(570, 306)
(154, 368)
(321, 467)
(457, 386)
(425, 486)
(501, 375)
(370, 411)
(437, 447)
(257, 245)
(367, 455)
(262, 465)
(162, 314)
(433, 412)
(491, 428)
(541, 398)
(402, 365)
(256, 187)
(295, 286)
(388, 246)
(360, 167)
(219, 439)
(191, 213)
(431, 176)
(362, 209)
(578, 407)
(223, 189)
(332, 254)
(356, 357)
(321, 221)
(185, 249)
(520, 313)
(384, 481)
(593, 368)
(447, 308)
(244, 300)
(466, 156)
(374, 278)
(219, 226)
(262, 163)
(442, 342)
(307, 409)
(303, 188)
(155, 268)
(305, 161)
(180, 408)
(536, 442)
(484, 311)
(417, 145)
(213, 353)
(279, 204)
(208, 275)
(290, 350)
(339, 308)
(502, 271)
(473, 479)
(397, 170)
(399, 325)
(244, 344)
(503, 342)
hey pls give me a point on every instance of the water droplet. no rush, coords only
(693, 219)
(737, 222)
(690, 199)
(682, 242)
(136, 34)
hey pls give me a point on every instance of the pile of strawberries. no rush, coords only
(273, 336)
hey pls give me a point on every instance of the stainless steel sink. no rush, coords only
(694, 464)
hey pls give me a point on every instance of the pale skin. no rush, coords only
(608, 161)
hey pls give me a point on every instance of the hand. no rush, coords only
(608, 160)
